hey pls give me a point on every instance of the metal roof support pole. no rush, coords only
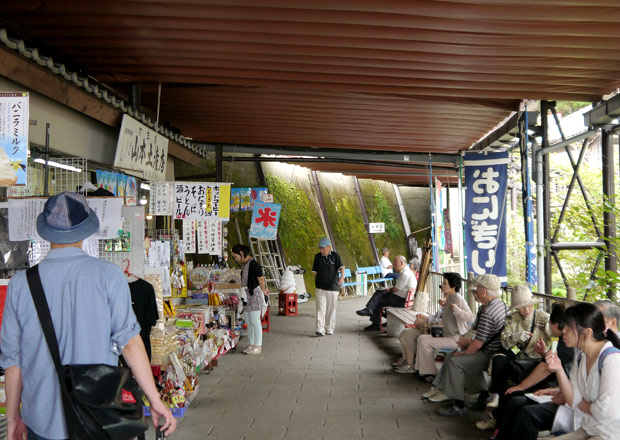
(609, 216)
(319, 196)
(540, 238)
(219, 172)
(360, 197)
(544, 111)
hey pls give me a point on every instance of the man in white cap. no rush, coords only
(463, 370)
(90, 307)
(328, 273)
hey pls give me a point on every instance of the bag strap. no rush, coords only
(604, 354)
(43, 311)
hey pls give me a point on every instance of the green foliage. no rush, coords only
(568, 107)
(383, 213)
(300, 227)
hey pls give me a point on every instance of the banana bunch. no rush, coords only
(169, 309)
(215, 299)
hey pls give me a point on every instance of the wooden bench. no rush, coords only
(398, 319)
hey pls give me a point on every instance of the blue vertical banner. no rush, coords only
(531, 276)
(486, 178)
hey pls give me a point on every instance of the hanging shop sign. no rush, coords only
(161, 198)
(141, 150)
(14, 120)
(376, 228)
(265, 218)
(189, 236)
(23, 215)
(486, 177)
(202, 201)
(245, 203)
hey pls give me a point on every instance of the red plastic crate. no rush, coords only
(287, 304)
(265, 321)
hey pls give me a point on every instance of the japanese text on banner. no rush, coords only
(14, 121)
(202, 201)
(189, 236)
(486, 178)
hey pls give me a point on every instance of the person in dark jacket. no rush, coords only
(328, 273)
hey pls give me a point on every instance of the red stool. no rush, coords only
(287, 304)
(265, 321)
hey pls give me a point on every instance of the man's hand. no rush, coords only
(340, 281)
(159, 410)
(442, 302)
(16, 429)
(464, 342)
(547, 392)
(514, 389)
(540, 347)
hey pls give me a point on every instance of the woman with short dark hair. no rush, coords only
(253, 281)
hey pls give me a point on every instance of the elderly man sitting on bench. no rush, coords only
(392, 297)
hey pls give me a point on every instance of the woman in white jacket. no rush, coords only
(593, 390)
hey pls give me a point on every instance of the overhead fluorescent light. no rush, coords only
(59, 165)
(145, 186)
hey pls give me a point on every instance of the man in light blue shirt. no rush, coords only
(90, 306)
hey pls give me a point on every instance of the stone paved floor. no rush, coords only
(306, 387)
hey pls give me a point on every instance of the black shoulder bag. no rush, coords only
(100, 402)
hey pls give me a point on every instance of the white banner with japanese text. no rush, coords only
(141, 151)
(202, 201)
(189, 236)
(14, 122)
(486, 176)
(161, 198)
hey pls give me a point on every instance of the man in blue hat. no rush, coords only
(328, 276)
(90, 306)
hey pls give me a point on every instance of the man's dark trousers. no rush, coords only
(380, 299)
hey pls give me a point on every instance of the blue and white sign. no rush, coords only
(265, 218)
(14, 122)
(486, 177)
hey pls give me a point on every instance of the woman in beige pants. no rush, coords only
(455, 321)
(410, 338)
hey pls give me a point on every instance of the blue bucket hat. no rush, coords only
(324, 242)
(67, 218)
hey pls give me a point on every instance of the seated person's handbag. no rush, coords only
(100, 402)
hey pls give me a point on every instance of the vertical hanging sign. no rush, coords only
(265, 218)
(531, 276)
(486, 177)
(141, 150)
(189, 236)
(161, 198)
(14, 121)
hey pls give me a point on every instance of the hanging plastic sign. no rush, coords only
(189, 236)
(14, 121)
(376, 228)
(202, 201)
(265, 218)
(486, 177)
(141, 151)
(268, 198)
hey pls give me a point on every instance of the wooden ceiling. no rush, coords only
(400, 75)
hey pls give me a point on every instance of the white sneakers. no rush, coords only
(252, 349)
(405, 369)
(430, 393)
(439, 397)
(493, 401)
(487, 424)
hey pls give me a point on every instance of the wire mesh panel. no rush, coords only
(69, 174)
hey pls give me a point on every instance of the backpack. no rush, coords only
(601, 359)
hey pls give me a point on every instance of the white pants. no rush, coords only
(425, 359)
(326, 301)
(255, 328)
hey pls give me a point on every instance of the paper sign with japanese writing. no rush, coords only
(202, 201)
(189, 236)
(265, 218)
(215, 238)
(202, 231)
(486, 177)
(14, 121)
(161, 198)
(141, 151)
